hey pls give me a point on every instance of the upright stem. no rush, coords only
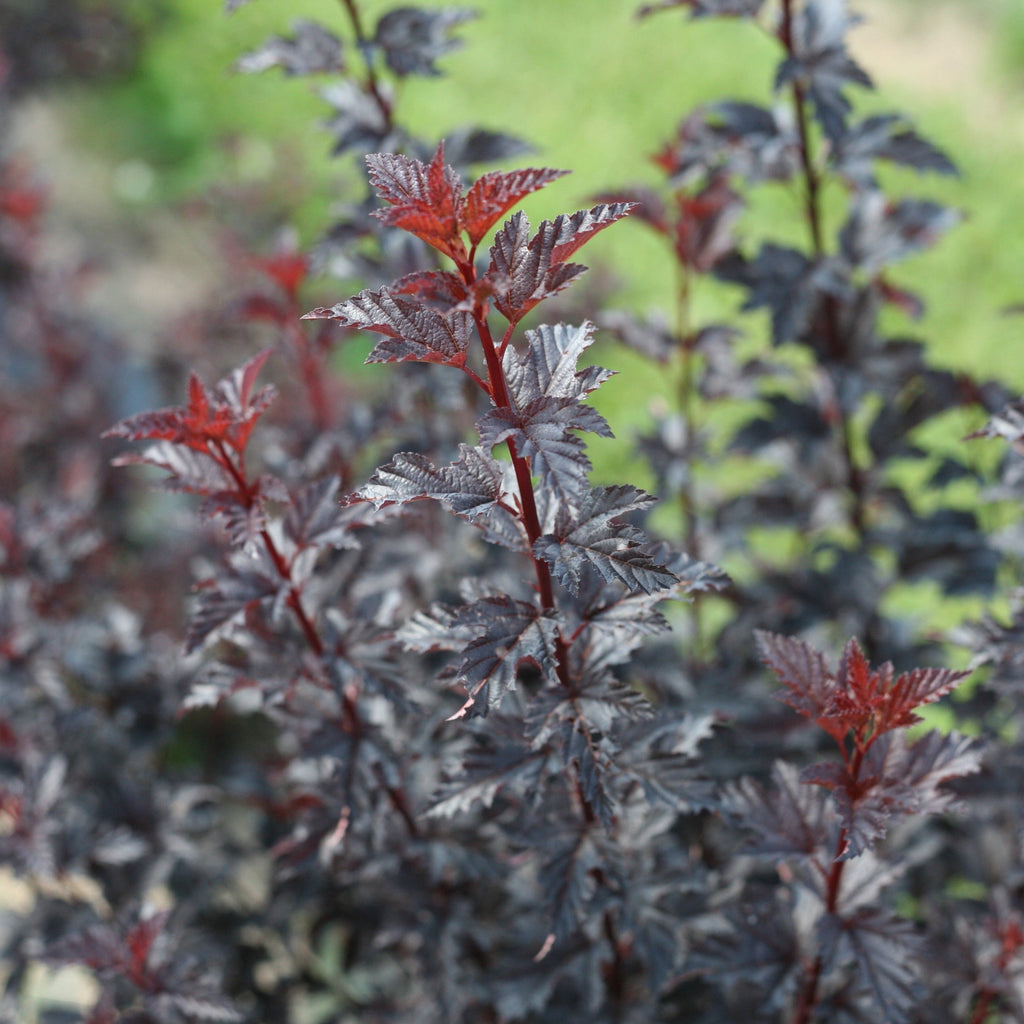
(833, 881)
(813, 214)
(350, 708)
(363, 42)
(687, 496)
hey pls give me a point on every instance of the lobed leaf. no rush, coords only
(507, 633)
(594, 537)
(413, 331)
(413, 38)
(493, 194)
(311, 50)
(791, 818)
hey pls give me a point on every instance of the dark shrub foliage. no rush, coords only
(424, 746)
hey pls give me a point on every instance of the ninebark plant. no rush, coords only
(428, 766)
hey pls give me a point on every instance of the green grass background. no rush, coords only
(595, 91)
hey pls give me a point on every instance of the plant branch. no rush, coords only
(372, 83)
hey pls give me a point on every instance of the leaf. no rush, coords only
(424, 199)
(884, 948)
(820, 61)
(507, 633)
(224, 416)
(569, 884)
(810, 686)
(501, 762)
(595, 537)
(789, 819)
(707, 8)
(661, 754)
(473, 145)
(412, 38)
(897, 778)
(547, 366)
(357, 123)
(593, 768)
(541, 432)
(733, 139)
(316, 518)
(468, 487)
(886, 137)
(879, 232)
(226, 597)
(413, 331)
(495, 193)
(311, 50)
(524, 270)
(785, 282)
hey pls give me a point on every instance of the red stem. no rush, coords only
(812, 210)
(833, 881)
(363, 43)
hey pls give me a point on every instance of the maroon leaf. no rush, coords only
(507, 633)
(413, 331)
(495, 193)
(810, 686)
(595, 538)
(425, 199)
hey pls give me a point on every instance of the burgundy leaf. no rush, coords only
(311, 50)
(413, 331)
(595, 538)
(425, 198)
(810, 686)
(469, 486)
(495, 193)
(507, 633)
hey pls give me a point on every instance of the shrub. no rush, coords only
(426, 747)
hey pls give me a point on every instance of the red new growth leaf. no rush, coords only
(803, 671)
(496, 193)
(288, 270)
(224, 416)
(857, 699)
(427, 200)
(424, 198)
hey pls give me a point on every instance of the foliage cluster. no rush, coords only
(425, 746)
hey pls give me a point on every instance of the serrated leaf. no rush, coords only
(424, 198)
(541, 432)
(525, 270)
(311, 50)
(493, 194)
(810, 685)
(316, 517)
(820, 61)
(569, 884)
(225, 598)
(879, 232)
(501, 762)
(468, 487)
(594, 537)
(886, 137)
(547, 367)
(413, 38)
(593, 769)
(357, 122)
(791, 818)
(884, 948)
(225, 415)
(897, 778)
(413, 331)
(507, 634)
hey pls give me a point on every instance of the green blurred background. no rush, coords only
(595, 91)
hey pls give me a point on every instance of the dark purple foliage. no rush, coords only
(449, 732)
